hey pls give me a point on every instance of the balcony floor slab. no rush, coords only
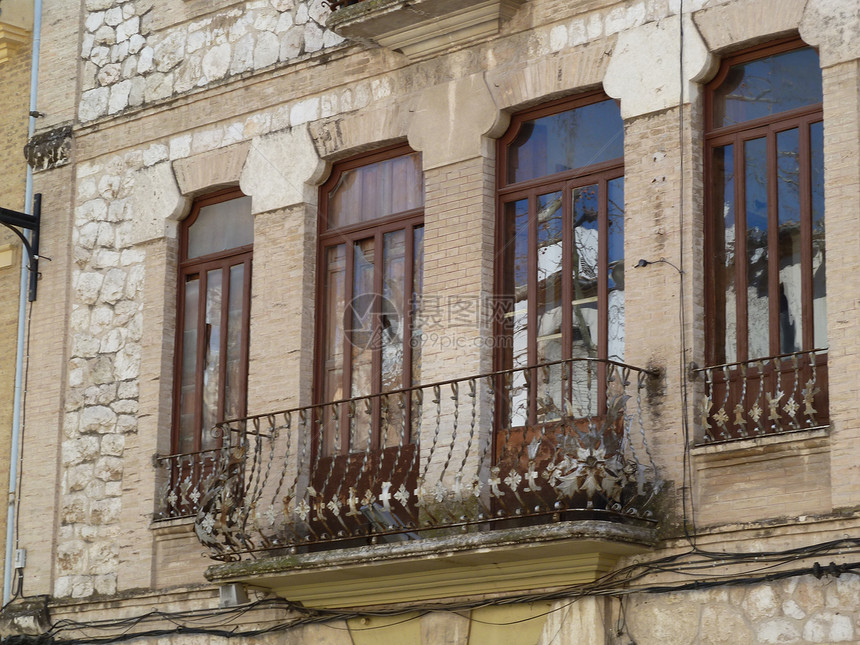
(492, 562)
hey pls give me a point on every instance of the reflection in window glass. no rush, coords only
(768, 86)
(377, 190)
(516, 269)
(755, 189)
(212, 345)
(221, 226)
(585, 271)
(562, 261)
(774, 303)
(572, 139)
(819, 284)
(370, 295)
(723, 173)
(788, 232)
(615, 270)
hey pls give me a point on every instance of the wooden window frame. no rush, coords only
(599, 173)
(327, 238)
(200, 265)
(736, 135)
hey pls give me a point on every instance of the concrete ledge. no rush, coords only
(505, 561)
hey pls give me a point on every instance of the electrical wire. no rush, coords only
(619, 584)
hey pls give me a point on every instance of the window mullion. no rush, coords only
(531, 323)
(376, 336)
(567, 242)
(406, 314)
(602, 289)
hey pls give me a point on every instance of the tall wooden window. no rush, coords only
(766, 181)
(560, 258)
(216, 242)
(766, 322)
(369, 278)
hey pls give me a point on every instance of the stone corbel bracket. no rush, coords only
(50, 149)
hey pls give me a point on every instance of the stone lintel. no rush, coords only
(210, 170)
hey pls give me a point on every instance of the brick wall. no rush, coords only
(14, 105)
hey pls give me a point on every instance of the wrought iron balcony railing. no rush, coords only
(337, 4)
(563, 440)
(765, 396)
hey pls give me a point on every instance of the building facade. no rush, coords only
(16, 27)
(430, 322)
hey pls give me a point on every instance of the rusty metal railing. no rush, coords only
(764, 396)
(557, 441)
(337, 4)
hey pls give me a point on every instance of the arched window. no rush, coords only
(214, 300)
(766, 293)
(371, 234)
(560, 255)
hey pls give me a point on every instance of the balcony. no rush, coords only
(532, 476)
(765, 396)
(419, 28)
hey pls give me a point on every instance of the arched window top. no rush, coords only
(767, 86)
(375, 190)
(219, 223)
(576, 138)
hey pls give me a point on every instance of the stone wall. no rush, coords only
(801, 610)
(132, 58)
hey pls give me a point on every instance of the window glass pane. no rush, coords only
(234, 386)
(363, 336)
(755, 189)
(377, 190)
(549, 300)
(572, 139)
(335, 272)
(819, 284)
(788, 203)
(221, 226)
(188, 387)
(768, 86)
(615, 270)
(417, 291)
(212, 357)
(516, 296)
(585, 254)
(723, 206)
(333, 335)
(391, 331)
